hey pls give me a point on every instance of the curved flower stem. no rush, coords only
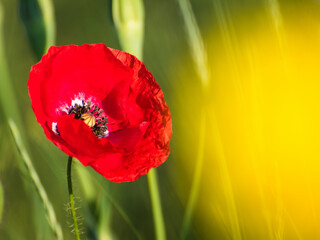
(156, 205)
(73, 212)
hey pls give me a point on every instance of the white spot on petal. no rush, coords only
(106, 133)
(54, 128)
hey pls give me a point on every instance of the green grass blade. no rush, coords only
(194, 192)
(7, 98)
(11, 111)
(123, 214)
(104, 224)
(199, 57)
(87, 182)
(196, 44)
(230, 43)
(51, 216)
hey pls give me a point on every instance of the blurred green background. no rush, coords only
(79, 22)
(241, 79)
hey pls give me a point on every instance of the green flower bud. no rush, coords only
(128, 19)
(33, 22)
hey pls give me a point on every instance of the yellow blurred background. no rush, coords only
(261, 172)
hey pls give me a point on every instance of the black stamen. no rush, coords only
(101, 122)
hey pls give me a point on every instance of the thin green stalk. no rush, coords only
(199, 56)
(55, 226)
(7, 95)
(156, 205)
(196, 44)
(104, 225)
(123, 214)
(229, 40)
(73, 211)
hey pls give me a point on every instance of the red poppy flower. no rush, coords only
(103, 107)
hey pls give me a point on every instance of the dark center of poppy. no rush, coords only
(92, 116)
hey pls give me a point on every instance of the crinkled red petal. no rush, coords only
(67, 71)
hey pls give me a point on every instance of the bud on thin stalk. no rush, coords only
(128, 18)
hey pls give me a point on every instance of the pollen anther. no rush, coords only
(88, 119)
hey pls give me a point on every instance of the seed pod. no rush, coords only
(88, 119)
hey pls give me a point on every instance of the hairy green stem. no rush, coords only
(73, 211)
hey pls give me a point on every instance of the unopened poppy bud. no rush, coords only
(32, 19)
(128, 18)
